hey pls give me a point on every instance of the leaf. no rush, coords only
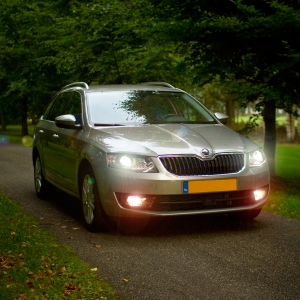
(125, 280)
(94, 269)
(30, 284)
(70, 287)
(97, 246)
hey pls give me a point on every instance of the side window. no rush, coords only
(59, 105)
(74, 107)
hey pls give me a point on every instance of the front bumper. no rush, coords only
(167, 197)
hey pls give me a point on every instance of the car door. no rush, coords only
(51, 159)
(68, 144)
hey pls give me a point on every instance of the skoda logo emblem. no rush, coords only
(205, 152)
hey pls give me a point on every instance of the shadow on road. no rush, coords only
(167, 226)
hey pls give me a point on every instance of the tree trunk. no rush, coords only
(298, 126)
(24, 117)
(269, 115)
(290, 127)
(230, 111)
(3, 123)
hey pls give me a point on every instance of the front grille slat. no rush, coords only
(192, 165)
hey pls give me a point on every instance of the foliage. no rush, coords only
(33, 265)
(27, 58)
(254, 44)
(245, 50)
(47, 44)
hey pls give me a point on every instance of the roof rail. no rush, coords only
(159, 83)
(76, 84)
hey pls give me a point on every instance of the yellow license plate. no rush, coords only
(208, 186)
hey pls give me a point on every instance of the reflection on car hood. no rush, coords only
(170, 139)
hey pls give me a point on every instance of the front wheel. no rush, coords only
(93, 215)
(40, 183)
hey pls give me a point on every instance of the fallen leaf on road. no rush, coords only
(97, 246)
(94, 269)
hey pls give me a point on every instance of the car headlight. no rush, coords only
(256, 158)
(135, 163)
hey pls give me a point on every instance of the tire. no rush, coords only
(40, 183)
(247, 215)
(94, 217)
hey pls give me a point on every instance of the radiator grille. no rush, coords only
(192, 165)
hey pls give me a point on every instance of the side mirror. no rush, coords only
(221, 117)
(67, 121)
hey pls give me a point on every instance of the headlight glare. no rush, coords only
(256, 158)
(125, 161)
(135, 163)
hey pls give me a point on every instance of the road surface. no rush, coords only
(206, 257)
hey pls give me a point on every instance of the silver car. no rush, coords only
(145, 150)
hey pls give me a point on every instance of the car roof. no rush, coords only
(128, 87)
(151, 86)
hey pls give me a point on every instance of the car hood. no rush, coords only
(171, 139)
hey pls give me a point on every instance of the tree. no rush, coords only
(255, 43)
(29, 75)
(47, 44)
(113, 42)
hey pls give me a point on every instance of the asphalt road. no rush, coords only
(183, 258)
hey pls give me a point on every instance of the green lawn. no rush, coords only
(280, 120)
(284, 198)
(288, 160)
(34, 265)
(13, 134)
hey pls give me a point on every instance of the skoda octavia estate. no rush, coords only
(145, 150)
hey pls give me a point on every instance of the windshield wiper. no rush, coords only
(106, 124)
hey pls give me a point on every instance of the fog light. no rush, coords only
(260, 194)
(135, 201)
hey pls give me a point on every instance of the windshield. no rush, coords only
(140, 107)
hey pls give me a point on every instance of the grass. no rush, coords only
(34, 265)
(13, 134)
(280, 120)
(284, 198)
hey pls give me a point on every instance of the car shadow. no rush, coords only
(158, 226)
(186, 225)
